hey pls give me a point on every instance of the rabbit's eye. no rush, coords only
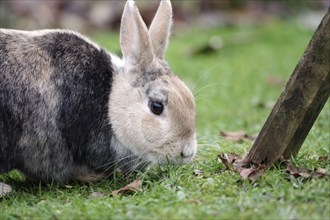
(156, 107)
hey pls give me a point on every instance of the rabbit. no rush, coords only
(71, 111)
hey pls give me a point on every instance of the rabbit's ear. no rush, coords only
(134, 40)
(160, 28)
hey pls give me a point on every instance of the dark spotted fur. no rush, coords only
(54, 93)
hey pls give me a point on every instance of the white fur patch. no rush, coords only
(117, 62)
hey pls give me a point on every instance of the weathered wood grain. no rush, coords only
(300, 103)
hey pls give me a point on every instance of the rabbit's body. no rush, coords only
(54, 98)
(71, 110)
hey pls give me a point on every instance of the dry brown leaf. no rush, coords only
(323, 158)
(238, 136)
(245, 172)
(320, 172)
(252, 173)
(236, 162)
(229, 159)
(306, 173)
(130, 188)
(293, 170)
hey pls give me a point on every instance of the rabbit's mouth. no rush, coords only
(173, 153)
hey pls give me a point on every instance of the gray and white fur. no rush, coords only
(69, 110)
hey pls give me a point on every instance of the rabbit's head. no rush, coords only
(152, 111)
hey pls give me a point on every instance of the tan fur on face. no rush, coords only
(144, 133)
(145, 77)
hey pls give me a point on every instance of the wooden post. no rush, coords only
(300, 103)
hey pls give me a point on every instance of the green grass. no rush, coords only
(231, 90)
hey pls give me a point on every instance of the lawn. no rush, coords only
(235, 89)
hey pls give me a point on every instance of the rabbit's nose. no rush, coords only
(188, 152)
